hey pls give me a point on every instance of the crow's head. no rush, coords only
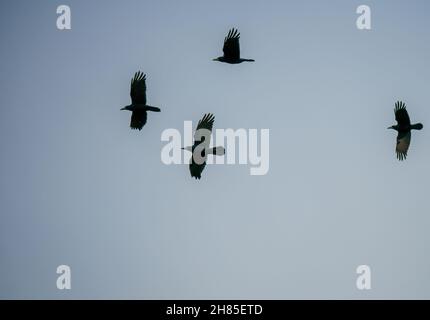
(127, 108)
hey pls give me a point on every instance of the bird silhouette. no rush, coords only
(138, 105)
(232, 49)
(200, 148)
(403, 128)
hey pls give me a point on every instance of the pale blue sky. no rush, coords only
(78, 187)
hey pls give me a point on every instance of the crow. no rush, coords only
(200, 148)
(138, 106)
(403, 127)
(232, 49)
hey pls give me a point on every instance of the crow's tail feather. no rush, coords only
(417, 126)
(219, 151)
(154, 109)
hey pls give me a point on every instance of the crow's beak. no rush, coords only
(390, 128)
(123, 108)
(215, 59)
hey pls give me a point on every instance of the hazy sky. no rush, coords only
(78, 187)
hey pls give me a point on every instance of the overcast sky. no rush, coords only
(78, 187)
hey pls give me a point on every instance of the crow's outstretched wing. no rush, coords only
(138, 88)
(402, 116)
(205, 123)
(138, 119)
(403, 142)
(196, 169)
(231, 45)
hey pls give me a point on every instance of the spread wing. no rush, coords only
(403, 142)
(231, 45)
(196, 169)
(138, 88)
(402, 116)
(207, 123)
(138, 119)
